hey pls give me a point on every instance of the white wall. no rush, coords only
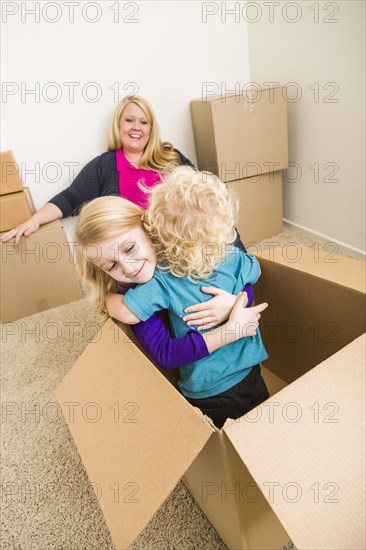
(324, 52)
(170, 52)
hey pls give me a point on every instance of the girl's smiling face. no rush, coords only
(128, 258)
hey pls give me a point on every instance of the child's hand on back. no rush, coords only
(213, 312)
(245, 319)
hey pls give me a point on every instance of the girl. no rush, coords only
(191, 223)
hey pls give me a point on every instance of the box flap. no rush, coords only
(320, 263)
(305, 448)
(135, 433)
(246, 92)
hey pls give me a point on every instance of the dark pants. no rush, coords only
(235, 401)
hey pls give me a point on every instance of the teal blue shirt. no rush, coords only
(226, 366)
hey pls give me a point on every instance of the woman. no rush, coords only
(135, 152)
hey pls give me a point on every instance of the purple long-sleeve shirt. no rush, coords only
(168, 352)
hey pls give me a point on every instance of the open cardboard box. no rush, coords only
(291, 468)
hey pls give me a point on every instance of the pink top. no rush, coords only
(129, 176)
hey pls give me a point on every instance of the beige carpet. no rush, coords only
(47, 502)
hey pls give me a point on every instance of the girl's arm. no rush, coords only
(171, 353)
(243, 321)
(208, 314)
(118, 309)
(168, 352)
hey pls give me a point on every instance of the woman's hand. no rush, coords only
(25, 228)
(48, 213)
(208, 314)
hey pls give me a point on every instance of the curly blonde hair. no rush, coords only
(158, 155)
(190, 220)
(99, 220)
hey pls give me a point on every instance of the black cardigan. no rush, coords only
(98, 178)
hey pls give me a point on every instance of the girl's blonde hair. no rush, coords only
(158, 155)
(101, 219)
(190, 219)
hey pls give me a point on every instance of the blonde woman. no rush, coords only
(135, 152)
(191, 224)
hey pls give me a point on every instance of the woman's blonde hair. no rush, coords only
(158, 155)
(190, 220)
(101, 219)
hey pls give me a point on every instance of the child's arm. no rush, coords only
(118, 309)
(216, 310)
(208, 314)
(172, 353)
(243, 321)
(168, 352)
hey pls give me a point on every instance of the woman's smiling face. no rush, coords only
(134, 129)
(128, 258)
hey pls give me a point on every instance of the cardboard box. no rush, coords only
(10, 180)
(255, 194)
(15, 209)
(291, 468)
(239, 136)
(317, 305)
(37, 274)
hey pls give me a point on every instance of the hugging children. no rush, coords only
(160, 259)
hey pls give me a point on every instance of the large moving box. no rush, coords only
(291, 468)
(37, 274)
(260, 206)
(240, 136)
(243, 139)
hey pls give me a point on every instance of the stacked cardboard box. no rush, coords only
(38, 273)
(291, 468)
(16, 204)
(243, 139)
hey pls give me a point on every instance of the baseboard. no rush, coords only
(356, 252)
